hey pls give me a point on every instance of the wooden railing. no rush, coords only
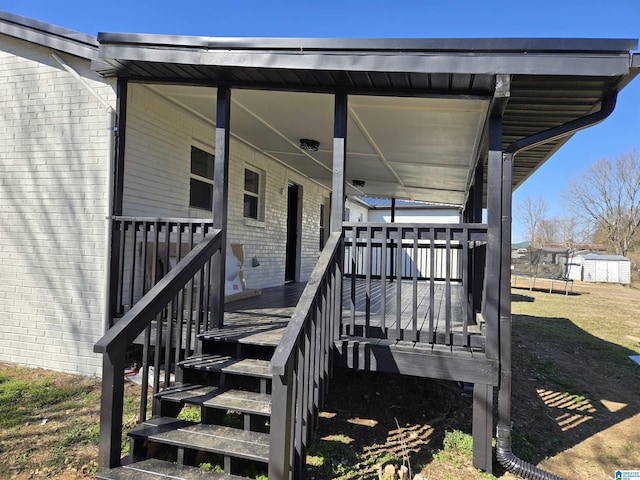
(302, 364)
(427, 275)
(161, 311)
(144, 249)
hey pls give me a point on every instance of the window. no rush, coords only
(201, 182)
(252, 194)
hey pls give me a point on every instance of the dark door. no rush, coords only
(292, 233)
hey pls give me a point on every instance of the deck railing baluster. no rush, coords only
(383, 278)
(414, 273)
(121, 253)
(367, 265)
(158, 303)
(398, 275)
(447, 288)
(466, 301)
(133, 236)
(432, 284)
(300, 375)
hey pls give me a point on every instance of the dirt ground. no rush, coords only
(576, 394)
(576, 404)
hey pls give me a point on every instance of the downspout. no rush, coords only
(111, 112)
(504, 454)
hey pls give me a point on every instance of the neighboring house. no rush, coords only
(133, 164)
(384, 210)
(593, 267)
(402, 211)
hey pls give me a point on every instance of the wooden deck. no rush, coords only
(267, 314)
(262, 319)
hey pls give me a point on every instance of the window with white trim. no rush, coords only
(201, 180)
(253, 195)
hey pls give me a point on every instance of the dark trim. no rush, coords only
(482, 427)
(494, 244)
(298, 45)
(220, 203)
(118, 195)
(606, 108)
(126, 56)
(504, 300)
(121, 132)
(421, 360)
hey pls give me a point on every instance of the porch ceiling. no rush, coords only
(417, 108)
(398, 146)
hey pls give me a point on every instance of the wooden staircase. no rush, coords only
(230, 384)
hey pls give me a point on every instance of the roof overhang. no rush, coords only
(50, 36)
(419, 107)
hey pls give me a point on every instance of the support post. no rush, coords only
(118, 193)
(482, 428)
(478, 193)
(220, 202)
(483, 398)
(111, 408)
(339, 161)
(494, 239)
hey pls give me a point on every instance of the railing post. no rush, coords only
(280, 464)
(111, 408)
(220, 202)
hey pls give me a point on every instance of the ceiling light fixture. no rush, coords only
(308, 144)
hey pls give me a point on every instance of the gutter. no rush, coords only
(504, 453)
(111, 112)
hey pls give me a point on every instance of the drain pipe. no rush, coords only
(111, 112)
(504, 454)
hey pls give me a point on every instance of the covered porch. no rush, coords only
(425, 120)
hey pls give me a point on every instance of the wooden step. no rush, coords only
(153, 469)
(265, 333)
(249, 367)
(220, 398)
(230, 442)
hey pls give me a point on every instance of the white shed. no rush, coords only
(599, 268)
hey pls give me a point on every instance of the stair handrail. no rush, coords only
(151, 304)
(114, 342)
(303, 362)
(292, 333)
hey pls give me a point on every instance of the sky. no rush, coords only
(618, 134)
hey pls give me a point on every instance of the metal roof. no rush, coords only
(550, 82)
(418, 107)
(595, 256)
(47, 35)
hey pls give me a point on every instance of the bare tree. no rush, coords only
(608, 195)
(531, 214)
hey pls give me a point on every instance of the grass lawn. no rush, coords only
(576, 404)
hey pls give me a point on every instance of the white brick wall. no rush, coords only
(53, 157)
(157, 165)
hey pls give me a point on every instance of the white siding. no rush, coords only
(158, 146)
(426, 215)
(54, 141)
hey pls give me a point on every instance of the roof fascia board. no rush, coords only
(530, 45)
(452, 63)
(50, 36)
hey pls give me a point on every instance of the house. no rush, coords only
(134, 163)
(592, 267)
(402, 211)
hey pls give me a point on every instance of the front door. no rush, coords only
(293, 226)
